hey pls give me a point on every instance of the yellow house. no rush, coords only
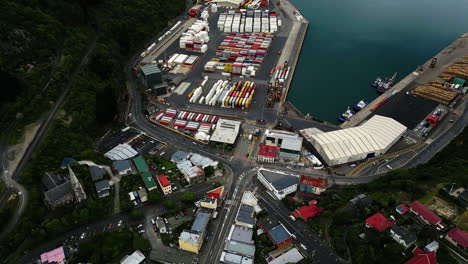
(190, 241)
(209, 203)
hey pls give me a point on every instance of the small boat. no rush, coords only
(346, 115)
(360, 105)
(376, 82)
(387, 84)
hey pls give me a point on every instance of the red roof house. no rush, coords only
(57, 255)
(401, 209)
(307, 211)
(458, 237)
(422, 257)
(311, 185)
(267, 153)
(216, 193)
(163, 181)
(379, 222)
(425, 213)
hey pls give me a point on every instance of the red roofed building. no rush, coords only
(379, 222)
(164, 183)
(307, 211)
(310, 185)
(458, 237)
(267, 153)
(422, 257)
(424, 213)
(216, 193)
(401, 209)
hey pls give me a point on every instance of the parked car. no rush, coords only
(165, 221)
(83, 236)
(304, 247)
(292, 217)
(119, 224)
(152, 221)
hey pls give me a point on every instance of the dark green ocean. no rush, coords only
(350, 43)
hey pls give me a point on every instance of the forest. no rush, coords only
(42, 43)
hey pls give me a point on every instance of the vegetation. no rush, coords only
(263, 246)
(41, 44)
(110, 247)
(217, 184)
(188, 197)
(209, 171)
(154, 196)
(129, 183)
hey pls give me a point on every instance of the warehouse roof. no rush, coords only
(150, 69)
(375, 135)
(292, 144)
(121, 152)
(226, 131)
(279, 180)
(140, 164)
(149, 181)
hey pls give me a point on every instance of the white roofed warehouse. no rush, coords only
(373, 138)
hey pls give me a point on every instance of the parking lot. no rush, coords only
(139, 141)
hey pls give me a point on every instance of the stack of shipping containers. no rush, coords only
(195, 37)
(248, 21)
(240, 95)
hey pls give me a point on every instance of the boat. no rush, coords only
(346, 115)
(376, 82)
(384, 86)
(360, 105)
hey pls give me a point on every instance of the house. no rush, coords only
(361, 201)
(135, 258)
(309, 186)
(463, 198)
(192, 174)
(240, 248)
(422, 257)
(57, 256)
(425, 214)
(401, 209)
(245, 216)
(403, 236)
(307, 211)
(62, 189)
(379, 222)
(433, 246)
(161, 225)
(209, 203)
(102, 188)
(179, 156)
(291, 256)
(241, 234)
(231, 258)
(289, 143)
(267, 153)
(279, 236)
(164, 184)
(279, 183)
(149, 181)
(122, 167)
(140, 164)
(217, 193)
(458, 237)
(96, 172)
(190, 241)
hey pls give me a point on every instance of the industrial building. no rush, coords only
(278, 182)
(226, 131)
(152, 78)
(121, 152)
(140, 164)
(289, 143)
(373, 138)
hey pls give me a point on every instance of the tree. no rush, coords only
(217, 184)
(220, 165)
(209, 171)
(169, 204)
(154, 196)
(188, 197)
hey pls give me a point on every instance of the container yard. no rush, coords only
(239, 21)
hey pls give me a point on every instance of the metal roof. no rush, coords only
(149, 181)
(150, 69)
(121, 165)
(291, 256)
(226, 131)
(189, 237)
(200, 222)
(292, 144)
(278, 234)
(96, 172)
(279, 180)
(179, 156)
(135, 258)
(241, 248)
(140, 164)
(242, 234)
(231, 258)
(121, 152)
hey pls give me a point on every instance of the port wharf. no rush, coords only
(450, 54)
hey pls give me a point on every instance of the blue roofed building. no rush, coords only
(279, 236)
(102, 188)
(96, 172)
(278, 183)
(245, 216)
(179, 156)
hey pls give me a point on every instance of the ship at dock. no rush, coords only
(383, 85)
(346, 115)
(360, 105)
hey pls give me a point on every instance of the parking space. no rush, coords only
(142, 143)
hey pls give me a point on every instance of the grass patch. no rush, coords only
(431, 193)
(462, 220)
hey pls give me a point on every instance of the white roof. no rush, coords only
(121, 152)
(226, 131)
(199, 160)
(291, 256)
(227, 257)
(188, 169)
(376, 135)
(308, 132)
(234, 2)
(135, 258)
(189, 237)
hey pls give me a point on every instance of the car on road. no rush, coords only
(83, 235)
(120, 223)
(292, 217)
(152, 221)
(304, 247)
(389, 167)
(155, 228)
(165, 221)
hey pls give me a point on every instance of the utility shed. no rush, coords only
(373, 138)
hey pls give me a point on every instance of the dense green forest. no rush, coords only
(41, 44)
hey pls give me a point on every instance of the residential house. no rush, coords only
(307, 211)
(192, 174)
(458, 237)
(403, 236)
(401, 209)
(309, 185)
(279, 236)
(179, 156)
(209, 203)
(164, 184)
(267, 153)
(422, 257)
(425, 214)
(122, 167)
(102, 188)
(56, 256)
(379, 222)
(192, 240)
(96, 172)
(279, 183)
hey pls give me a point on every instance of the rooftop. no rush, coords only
(401, 209)
(226, 131)
(179, 156)
(379, 222)
(56, 255)
(121, 165)
(242, 234)
(307, 211)
(241, 248)
(163, 180)
(291, 256)
(199, 160)
(121, 152)
(404, 234)
(190, 237)
(140, 164)
(278, 234)
(150, 69)
(425, 212)
(96, 172)
(279, 180)
(231, 258)
(215, 193)
(294, 144)
(422, 257)
(314, 182)
(459, 236)
(135, 258)
(267, 151)
(200, 222)
(148, 179)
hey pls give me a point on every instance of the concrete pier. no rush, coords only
(447, 56)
